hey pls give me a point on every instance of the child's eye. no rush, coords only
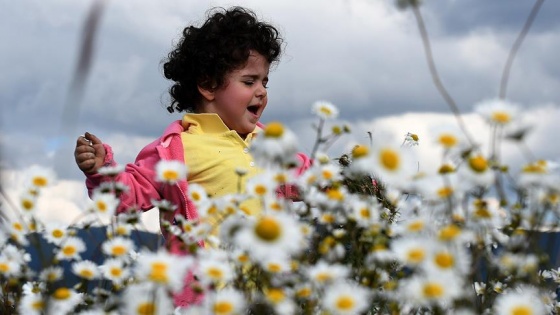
(249, 83)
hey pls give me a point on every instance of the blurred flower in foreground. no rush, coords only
(274, 146)
(146, 298)
(325, 110)
(227, 301)
(345, 298)
(497, 112)
(39, 177)
(163, 268)
(170, 172)
(526, 300)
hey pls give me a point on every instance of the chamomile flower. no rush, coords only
(115, 270)
(476, 171)
(104, 204)
(411, 139)
(497, 112)
(453, 259)
(111, 171)
(28, 203)
(276, 264)
(9, 267)
(212, 271)
(324, 110)
(345, 298)
(412, 250)
(85, 269)
(526, 300)
(55, 233)
(51, 274)
(63, 300)
(39, 177)
(440, 288)
(163, 268)
(197, 194)
(146, 298)
(117, 247)
(262, 185)
(227, 301)
(323, 273)
(32, 304)
(364, 213)
(16, 231)
(170, 171)
(71, 248)
(275, 146)
(270, 234)
(450, 138)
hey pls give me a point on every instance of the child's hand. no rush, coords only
(89, 153)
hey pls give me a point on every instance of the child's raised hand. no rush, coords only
(89, 153)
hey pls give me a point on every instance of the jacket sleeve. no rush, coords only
(139, 177)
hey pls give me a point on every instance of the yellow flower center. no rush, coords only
(360, 151)
(482, 212)
(170, 175)
(449, 232)
(268, 229)
(196, 196)
(445, 192)
(118, 250)
(40, 181)
(57, 233)
(521, 310)
(86, 273)
(38, 305)
(62, 293)
(17, 226)
(478, 164)
(433, 290)
(328, 218)
(345, 302)
(364, 213)
(336, 130)
(416, 255)
(335, 194)
(223, 307)
(215, 273)
(275, 295)
(416, 226)
(101, 206)
(303, 292)
(121, 230)
(159, 272)
(446, 169)
(27, 204)
(447, 140)
(260, 190)
(323, 277)
(146, 308)
(116, 272)
(327, 174)
(4, 267)
(389, 159)
(274, 267)
(325, 110)
(274, 130)
(501, 117)
(280, 178)
(444, 260)
(69, 250)
(414, 137)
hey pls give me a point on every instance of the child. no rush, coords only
(220, 72)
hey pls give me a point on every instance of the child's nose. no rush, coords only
(261, 91)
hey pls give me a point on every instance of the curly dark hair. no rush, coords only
(205, 55)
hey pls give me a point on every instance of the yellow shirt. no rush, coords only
(212, 154)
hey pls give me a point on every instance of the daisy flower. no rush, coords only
(213, 271)
(163, 268)
(146, 298)
(71, 248)
(412, 250)
(323, 273)
(324, 110)
(16, 231)
(51, 274)
(111, 171)
(227, 301)
(262, 185)
(104, 203)
(55, 233)
(449, 259)
(85, 269)
(526, 300)
(63, 301)
(476, 171)
(450, 138)
(32, 304)
(441, 289)
(39, 177)
(497, 112)
(275, 146)
(114, 269)
(117, 247)
(411, 139)
(28, 203)
(276, 264)
(9, 267)
(270, 234)
(197, 194)
(170, 171)
(345, 298)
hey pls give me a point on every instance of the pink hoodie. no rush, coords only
(140, 177)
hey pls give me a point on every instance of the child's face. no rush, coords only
(243, 98)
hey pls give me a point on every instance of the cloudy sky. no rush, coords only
(365, 56)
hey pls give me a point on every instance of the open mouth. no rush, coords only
(254, 109)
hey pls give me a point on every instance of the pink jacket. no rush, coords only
(143, 188)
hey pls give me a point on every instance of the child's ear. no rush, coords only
(206, 93)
